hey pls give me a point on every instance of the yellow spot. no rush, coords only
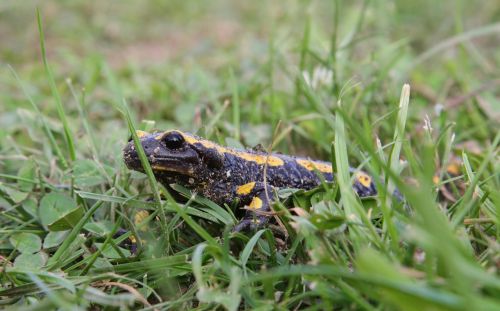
(140, 217)
(312, 165)
(246, 188)
(255, 204)
(453, 169)
(256, 220)
(364, 179)
(141, 134)
(132, 239)
(435, 179)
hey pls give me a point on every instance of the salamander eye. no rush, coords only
(173, 140)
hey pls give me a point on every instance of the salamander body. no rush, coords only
(224, 174)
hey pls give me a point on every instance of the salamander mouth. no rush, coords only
(178, 165)
(172, 165)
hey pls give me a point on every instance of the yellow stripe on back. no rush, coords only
(257, 158)
(311, 165)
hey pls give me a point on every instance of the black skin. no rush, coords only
(216, 172)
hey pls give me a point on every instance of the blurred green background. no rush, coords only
(174, 57)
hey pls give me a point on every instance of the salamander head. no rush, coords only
(174, 154)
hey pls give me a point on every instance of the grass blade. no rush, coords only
(55, 93)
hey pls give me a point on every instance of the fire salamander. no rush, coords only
(224, 174)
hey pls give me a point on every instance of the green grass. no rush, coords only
(79, 78)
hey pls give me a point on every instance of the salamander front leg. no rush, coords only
(255, 216)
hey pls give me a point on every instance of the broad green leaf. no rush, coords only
(54, 239)
(59, 212)
(68, 221)
(30, 206)
(26, 243)
(6, 204)
(300, 199)
(27, 171)
(13, 194)
(30, 262)
(87, 173)
(99, 228)
(245, 254)
(100, 263)
(110, 252)
(288, 192)
(327, 221)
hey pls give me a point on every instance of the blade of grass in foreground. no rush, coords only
(231, 298)
(395, 166)
(67, 131)
(394, 163)
(442, 299)
(147, 167)
(474, 190)
(154, 185)
(80, 103)
(353, 210)
(55, 261)
(120, 104)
